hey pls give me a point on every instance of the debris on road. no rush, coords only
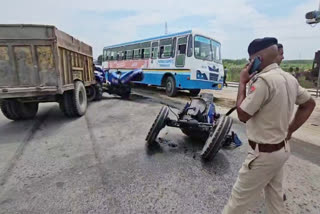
(199, 120)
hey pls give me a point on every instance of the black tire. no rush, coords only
(126, 93)
(91, 93)
(194, 92)
(66, 104)
(80, 102)
(171, 89)
(158, 124)
(9, 110)
(99, 91)
(74, 103)
(15, 110)
(216, 138)
(28, 110)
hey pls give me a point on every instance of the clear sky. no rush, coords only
(233, 22)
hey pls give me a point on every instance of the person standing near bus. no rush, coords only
(267, 110)
(225, 76)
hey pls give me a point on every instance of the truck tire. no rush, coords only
(216, 138)
(194, 92)
(158, 124)
(91, 93)
(171, 89)
(99, 91)
(28, 110)
(15, 110)
(9, 110)
(79, 99)
(66, 104)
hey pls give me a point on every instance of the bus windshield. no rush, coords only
(206, 49)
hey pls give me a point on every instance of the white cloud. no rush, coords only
(234, 22)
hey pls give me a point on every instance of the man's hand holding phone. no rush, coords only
(250, 70)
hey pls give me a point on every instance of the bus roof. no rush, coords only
(150, 39)
(160, 37)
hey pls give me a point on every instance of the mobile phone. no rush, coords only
(255, 65)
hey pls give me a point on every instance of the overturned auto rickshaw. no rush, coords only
(198, 119)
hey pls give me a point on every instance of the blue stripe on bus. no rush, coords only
(182, 81)
(150, 39)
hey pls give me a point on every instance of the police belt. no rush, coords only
(267, 147)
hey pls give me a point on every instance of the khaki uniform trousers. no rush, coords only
(260, 171)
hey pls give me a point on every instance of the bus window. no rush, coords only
(112, 55)
(146, 53)
(165, 51)
(173, 47)
(136, 54)
(154, 52)
(125, 55)
(165, 48)
(181, 52)
(161, 52)
(142, 54)
(104, 58)
(189, 54)
(182, 49)
(129, 54)
(182, 45)
(216, 49)
(202, 48)
(118, 56)
(108, 55)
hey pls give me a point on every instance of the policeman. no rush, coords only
(267, 110)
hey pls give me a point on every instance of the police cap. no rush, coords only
(260, 44)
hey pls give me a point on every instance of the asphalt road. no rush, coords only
(99, 164)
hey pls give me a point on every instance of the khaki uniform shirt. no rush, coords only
(270, 101)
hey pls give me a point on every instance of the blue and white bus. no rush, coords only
(181, 61)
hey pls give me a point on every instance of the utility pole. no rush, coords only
(313, 18)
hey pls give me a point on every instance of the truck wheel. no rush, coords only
(91, 93)
(79, 99)
(99, 91)
(28, 110)
(157, 125)
(216, 138)
(66, 104)
(15, 110)
(194, 92)
(9, 110)
(171, 89)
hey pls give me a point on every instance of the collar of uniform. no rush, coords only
(270, 67)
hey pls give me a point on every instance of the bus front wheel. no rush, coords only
(171, 89)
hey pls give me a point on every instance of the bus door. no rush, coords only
(181, 51)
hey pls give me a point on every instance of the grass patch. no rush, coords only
(235, 66)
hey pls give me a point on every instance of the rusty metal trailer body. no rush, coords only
(39, 63)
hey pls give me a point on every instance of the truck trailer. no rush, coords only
(39, 63)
